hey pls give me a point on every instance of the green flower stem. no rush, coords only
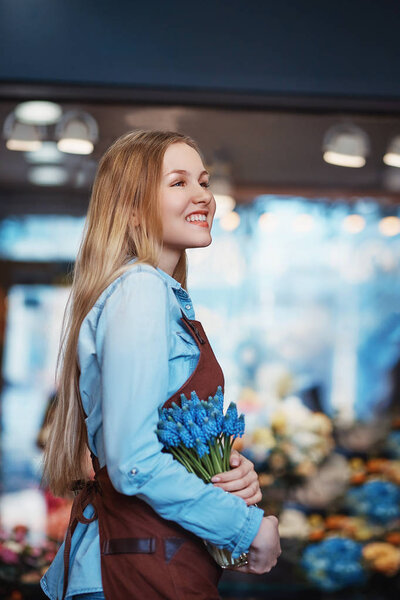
(178, 456)
(196, 463)
(227, 452)
(208, 464)
(215, 458)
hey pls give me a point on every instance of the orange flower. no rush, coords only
(382, 557)
(316, 535)
(377, 465)
(336, 521)
(393, 537)
(358, 478)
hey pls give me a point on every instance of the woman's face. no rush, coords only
(187, 205)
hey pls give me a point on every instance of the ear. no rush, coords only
(135, 220)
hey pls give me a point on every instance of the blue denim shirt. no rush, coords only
(134, 353)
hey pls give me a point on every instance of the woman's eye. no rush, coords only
(205, 183)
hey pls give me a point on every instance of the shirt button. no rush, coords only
(188, 306)
(133, 471)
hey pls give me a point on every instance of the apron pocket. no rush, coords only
(129, 546)
(171, 547)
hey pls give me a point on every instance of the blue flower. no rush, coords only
(229, 426)
(334, 563)
(200, 413)
(211, 426)
(187, 415)
(379, 500)
(185, 436)
(196, 423)
(196, 432)
(240, 426)
(168, 434)
(194, 397)
(184, 401)
(176, 412)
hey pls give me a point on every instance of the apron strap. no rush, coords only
(193, 327)
(87, 495)
(95, 462)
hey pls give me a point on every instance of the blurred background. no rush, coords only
(296, 107)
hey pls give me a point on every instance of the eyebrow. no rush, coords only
(184, 172)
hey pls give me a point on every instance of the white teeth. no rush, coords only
(196, 217)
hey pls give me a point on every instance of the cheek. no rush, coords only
(213, 207)
(172, 206)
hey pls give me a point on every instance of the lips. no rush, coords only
(198, 212)
(202, 223)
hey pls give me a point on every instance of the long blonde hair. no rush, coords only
(126, 184)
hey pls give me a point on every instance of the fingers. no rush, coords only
(273, 518)
(235, 458)
(257, 569)
(245, 467)
(254, 499)
(237, 473)
(249, 492)
(242, 483)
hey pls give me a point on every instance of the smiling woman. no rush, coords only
(185, 197)
(123, 356)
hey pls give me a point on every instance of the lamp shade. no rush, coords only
(346, 145)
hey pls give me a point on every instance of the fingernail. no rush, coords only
(215, 479)
(235, 462)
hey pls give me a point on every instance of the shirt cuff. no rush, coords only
(249, 531)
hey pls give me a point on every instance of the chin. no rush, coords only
(201, 244)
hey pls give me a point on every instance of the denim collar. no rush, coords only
(170, 280)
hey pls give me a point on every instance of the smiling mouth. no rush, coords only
(200, 220)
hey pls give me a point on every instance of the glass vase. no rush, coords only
(223, 557)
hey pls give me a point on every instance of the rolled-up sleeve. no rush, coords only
(132, 348)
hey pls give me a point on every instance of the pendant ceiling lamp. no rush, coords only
(392, 156)
(76, 132)
(346, 145)
(38, 112)
(22, 137)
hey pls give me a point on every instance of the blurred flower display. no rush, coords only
(382, 557)
(293, 443)
(377, 500)
(334, 563)
(21, 562)
(357, 536)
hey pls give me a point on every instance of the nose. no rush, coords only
(203, 195)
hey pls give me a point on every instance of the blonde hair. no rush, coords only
(126, 184)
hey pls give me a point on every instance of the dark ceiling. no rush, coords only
(268, 151)
(256, 83)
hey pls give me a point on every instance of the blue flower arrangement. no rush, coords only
(379, 500)
(334, 563)
(199, 435)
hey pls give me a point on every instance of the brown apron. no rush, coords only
(144, 556)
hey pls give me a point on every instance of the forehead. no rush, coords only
(181, 156)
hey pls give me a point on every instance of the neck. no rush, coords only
(168, 260)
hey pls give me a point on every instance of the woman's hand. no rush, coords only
(242, 480)
(265, 549)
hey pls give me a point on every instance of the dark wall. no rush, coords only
(340, 47)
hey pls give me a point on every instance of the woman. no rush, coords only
(131, 345)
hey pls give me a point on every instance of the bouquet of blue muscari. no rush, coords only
(200, 436)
